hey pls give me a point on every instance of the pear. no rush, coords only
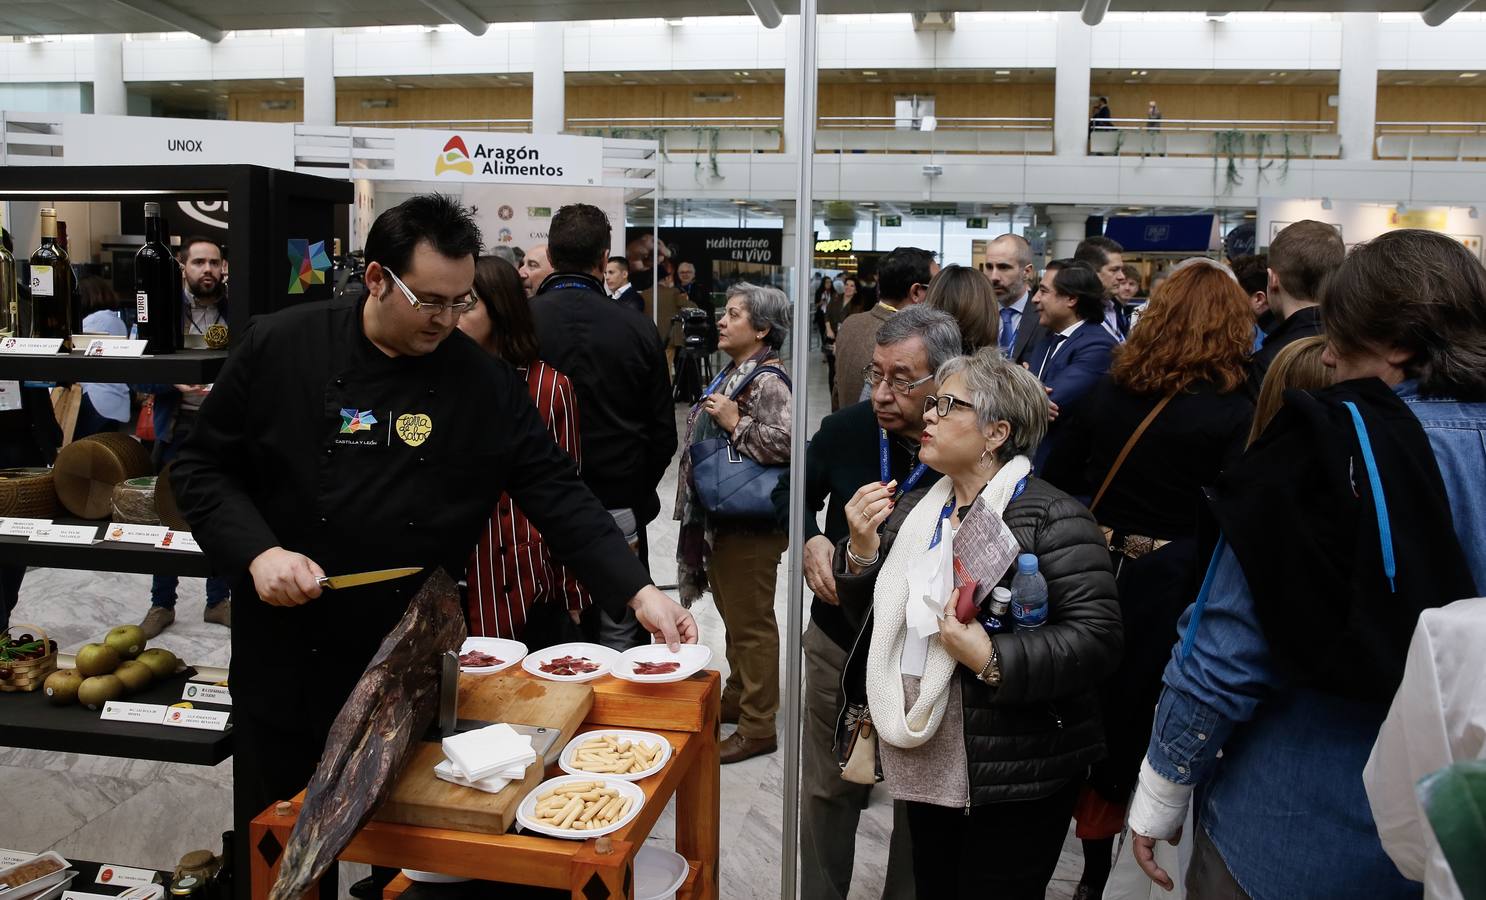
(97, 659)
(61, 686)
(135, 675)
(161, 661)
(127, 639)
(98, 690)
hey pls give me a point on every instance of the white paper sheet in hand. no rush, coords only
(984, 549)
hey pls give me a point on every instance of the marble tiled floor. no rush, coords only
(143, 813)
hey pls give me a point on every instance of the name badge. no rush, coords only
(204, 719)
(207, 693)
(21, 527)
(125, 876)
(115, 347)
(178, 540)
(142, 713)
(30, 345)
(65, 534)
(124, 533)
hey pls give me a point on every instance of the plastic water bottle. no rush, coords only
(1028, 594)
(997, 618)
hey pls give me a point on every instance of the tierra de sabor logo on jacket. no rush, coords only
(414, 428)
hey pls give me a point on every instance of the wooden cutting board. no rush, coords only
(420, 798)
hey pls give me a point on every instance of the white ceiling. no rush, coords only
(21, 17)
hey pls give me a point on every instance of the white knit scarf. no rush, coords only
(890, 622)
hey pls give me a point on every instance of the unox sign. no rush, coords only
(504, 158)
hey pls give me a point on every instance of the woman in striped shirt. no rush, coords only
(516, 589)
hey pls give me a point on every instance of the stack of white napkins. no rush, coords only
(486, 759)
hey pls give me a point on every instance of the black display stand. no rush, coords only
(101, 556)
(184, 367)
(32, 722)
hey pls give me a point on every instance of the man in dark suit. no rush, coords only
(1107, 258)
(616, 284)
(1076, 352)
(1302, 258)
(1008, 264)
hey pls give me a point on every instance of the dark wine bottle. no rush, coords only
(53, 286)
(9, 290)
(157, 289)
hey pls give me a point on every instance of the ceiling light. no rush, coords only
(1265, 81)
(178, 84)
(744, 74)
(868, 72)
(1144, 72)
(673, 22)
(1134, 71)
(1003, 71)
(203, 91)
(1469, 74)
(1002, 80)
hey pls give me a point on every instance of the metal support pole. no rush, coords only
(804, 255)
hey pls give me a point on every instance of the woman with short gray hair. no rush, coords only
(737, 558)
(983, 731)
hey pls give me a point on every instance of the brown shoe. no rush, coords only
(738, 748)
(155, 621)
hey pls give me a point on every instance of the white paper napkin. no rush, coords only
(486, 752)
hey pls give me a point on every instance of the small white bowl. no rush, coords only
(603, 656)
(432, 877)
(508, 652)
(568, 761)
(659, 873)
(527, 820)
(693, 659)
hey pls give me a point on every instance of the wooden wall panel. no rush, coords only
(1219, 101)
(440, 104)
(1414, 103)
(636, 101)
(248, 106)
(950, 100)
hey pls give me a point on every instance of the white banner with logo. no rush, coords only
(91, 140)
(473, 156)
(510, 215)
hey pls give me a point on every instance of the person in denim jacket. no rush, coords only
(1289, 657)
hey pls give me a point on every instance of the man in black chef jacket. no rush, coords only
(365, 434)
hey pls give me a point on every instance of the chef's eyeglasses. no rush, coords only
(944, 404)
(898, 385)
(431, 309)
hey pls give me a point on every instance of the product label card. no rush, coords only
(21, 527)
(123, 876)
(30, 345)
(41, 281)
(204, 719)
(145, 713)
(84, 895)
(9, 858)
(141, 307)
(10, 396)
(112, 347)
(207, 693)
(134, 534)
(178, 540)
(65, 534)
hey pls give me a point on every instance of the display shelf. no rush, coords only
(103, 556)
(183, 367)
(31, 722)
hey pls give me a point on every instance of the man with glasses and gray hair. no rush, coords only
(875, 439)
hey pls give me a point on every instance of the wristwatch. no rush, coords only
(990, 673)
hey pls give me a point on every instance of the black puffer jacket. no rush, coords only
(1040, 728)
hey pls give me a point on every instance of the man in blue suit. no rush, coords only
(1076, 351)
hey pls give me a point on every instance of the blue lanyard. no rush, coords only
(949, 509)
(913, 478)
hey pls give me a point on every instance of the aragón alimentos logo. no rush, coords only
(454, 158)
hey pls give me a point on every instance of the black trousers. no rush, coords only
(271, 763)
(1000, 851)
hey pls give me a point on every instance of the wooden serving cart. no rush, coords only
(686, 713)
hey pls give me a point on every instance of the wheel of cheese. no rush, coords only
(165, 509)
(87, 471)
(27, 494)
(134, 502)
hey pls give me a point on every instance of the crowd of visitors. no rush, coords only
(1219, 522)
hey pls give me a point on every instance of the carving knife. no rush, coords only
(357, 579)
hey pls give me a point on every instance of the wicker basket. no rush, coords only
(28, 674)
(27, 494)
(87, 471)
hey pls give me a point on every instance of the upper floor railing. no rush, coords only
(508, 125)
(1230, 138)
(1431, 140)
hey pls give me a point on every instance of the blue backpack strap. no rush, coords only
(1201, 604)
(1380, 505)
(759, 370)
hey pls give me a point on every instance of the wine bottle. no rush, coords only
(52, 286)
(9, 289)
(157, 289)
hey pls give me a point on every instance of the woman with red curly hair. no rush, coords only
(1171, 414)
